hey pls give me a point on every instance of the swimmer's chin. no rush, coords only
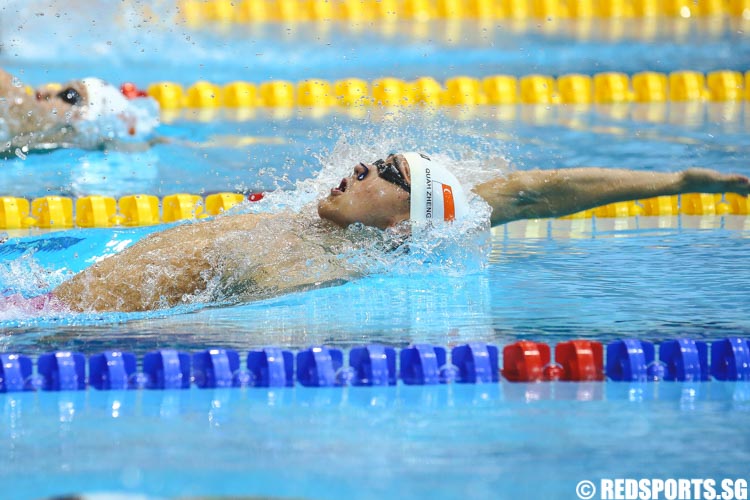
(326, 212)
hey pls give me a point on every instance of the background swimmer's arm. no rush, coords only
(5, 79)
(25, 113)
(554, 193)
(6, 84)
(19, 103)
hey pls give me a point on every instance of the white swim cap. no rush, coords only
(106, 108)
(102, 99)
(436, 194)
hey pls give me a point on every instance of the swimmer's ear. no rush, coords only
(403, 165)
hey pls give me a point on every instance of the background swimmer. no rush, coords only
(86, 113)
(252, 256)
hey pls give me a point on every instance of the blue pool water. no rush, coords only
(436, 442)
(551, 281)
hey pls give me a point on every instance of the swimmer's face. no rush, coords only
(368, 198)
(69, 97)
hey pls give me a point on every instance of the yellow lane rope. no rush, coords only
(57, 212)
(600, 88)
(196, 12)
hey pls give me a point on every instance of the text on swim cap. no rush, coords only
(428, 198)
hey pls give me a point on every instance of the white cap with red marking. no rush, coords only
(103, 99)
(436, 194)
(107, 106)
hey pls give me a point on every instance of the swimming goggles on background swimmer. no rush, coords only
(70, 96)
(389, 172)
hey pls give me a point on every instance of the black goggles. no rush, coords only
(389, 172)
(70, 96)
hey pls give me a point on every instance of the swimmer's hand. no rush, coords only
(702, 180)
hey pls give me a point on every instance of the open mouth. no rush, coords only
(341, 188)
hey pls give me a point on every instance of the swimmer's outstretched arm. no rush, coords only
(555, 193)
(6, 84)
(27, 113)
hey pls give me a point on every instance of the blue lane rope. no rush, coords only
(376, 365)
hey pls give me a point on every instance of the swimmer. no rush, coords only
(87, 113)
(242, 257)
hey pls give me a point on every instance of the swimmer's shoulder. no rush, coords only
(241, 222)
(223, 225)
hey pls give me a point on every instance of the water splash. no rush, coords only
(455, 248)
(472, 156)
(25, 284)
(27, 277)
(16, 306)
